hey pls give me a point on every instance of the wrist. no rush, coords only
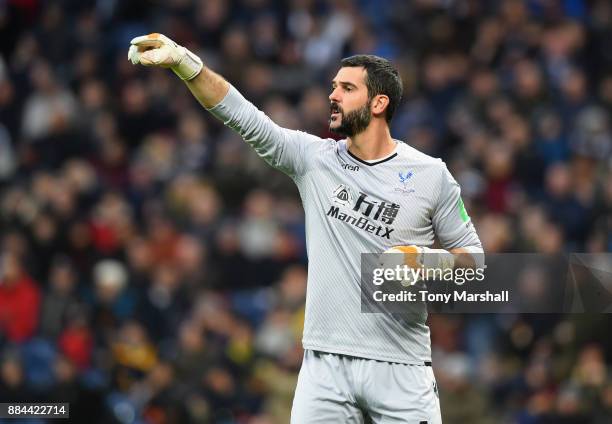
(189, 65)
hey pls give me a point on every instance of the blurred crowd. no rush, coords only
(153, 269)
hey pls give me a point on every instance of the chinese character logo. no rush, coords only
(387, 212)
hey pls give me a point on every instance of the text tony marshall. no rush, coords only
(425, 296)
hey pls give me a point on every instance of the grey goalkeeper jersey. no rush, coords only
(355, 207)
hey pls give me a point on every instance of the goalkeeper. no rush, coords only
(367, 193)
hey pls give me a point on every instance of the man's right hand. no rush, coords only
(158, 50)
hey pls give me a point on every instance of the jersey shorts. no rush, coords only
(336, 388)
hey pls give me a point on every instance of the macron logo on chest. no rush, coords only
(350, 167)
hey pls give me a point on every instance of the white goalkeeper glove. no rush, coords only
(417, 258)
(158, 50)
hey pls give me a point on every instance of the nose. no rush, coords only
(334, 96)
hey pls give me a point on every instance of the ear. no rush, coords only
(379, 104)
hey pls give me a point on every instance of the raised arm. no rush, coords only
(282, 148)
(158, 50)
(208, 87)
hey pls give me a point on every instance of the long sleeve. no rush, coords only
(282, 148)
(451, 221)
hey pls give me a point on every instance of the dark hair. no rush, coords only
(381, 78)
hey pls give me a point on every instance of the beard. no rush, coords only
(354, 122)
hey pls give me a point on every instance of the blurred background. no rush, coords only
(153, 268)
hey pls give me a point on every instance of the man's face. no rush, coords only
(349, 106)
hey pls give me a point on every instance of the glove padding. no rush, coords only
(158, 50)
(416, 257)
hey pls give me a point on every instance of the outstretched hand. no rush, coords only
(158, 50)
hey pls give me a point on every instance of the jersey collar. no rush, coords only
(378, 162)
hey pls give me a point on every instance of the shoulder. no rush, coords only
(311, 149)
(318, 144)
(434, 170)
(411, 155)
